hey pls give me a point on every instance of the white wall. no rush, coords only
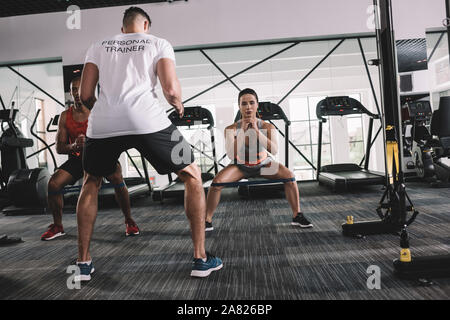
(199, 22)
(47, 76)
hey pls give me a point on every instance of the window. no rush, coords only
(199, 137)
(29, 88)
(355, 135)
(280, 72)
(304, 135)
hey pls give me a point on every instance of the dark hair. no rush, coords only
(76, 78)
(131, 13)
(247, 91)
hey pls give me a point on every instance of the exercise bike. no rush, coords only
(418, 115)
(426, 151)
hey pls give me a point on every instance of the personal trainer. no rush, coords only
(70, 139)
(127, 115)
(247, 144)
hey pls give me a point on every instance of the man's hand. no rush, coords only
(180, 110)
(78, 145)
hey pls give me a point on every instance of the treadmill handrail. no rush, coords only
(357, 108)
(279, 112)
(207, 117)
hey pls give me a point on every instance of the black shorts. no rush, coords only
(166, 150)
(74, 166)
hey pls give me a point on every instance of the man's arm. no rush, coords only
(62, 147)
(170, 84)
(89, 80)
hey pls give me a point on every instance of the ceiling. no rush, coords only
(10, 8)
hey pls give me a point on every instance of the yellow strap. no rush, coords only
(391, 152)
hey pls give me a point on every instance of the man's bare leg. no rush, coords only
(194, 204)
(57, 182)
(121, 193)
(86, 214)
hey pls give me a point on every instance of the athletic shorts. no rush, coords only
(253, 171)
(74, 166)
(166, 150)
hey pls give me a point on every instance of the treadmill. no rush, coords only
(343, 176)
(193, 116)
(267, 111)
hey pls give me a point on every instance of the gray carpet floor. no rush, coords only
(264, 256)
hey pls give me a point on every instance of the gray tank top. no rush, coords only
(258, 152)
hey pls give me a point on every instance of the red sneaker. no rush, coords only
(132, 228)
(53, 232)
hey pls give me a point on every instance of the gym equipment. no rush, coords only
(341, 177)
(395, 218)
(10, 138)
(440, 128)
(392, 209)
(267, 111)
(26, 188)
(426, 151)
(12, 146)
(193, 116)
(409, 266)
(416, 116)
(137, 187)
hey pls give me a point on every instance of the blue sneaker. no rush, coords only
(85, 271)
(203, 269)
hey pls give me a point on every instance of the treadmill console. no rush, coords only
(5, 115)
(268, 111)
(340, 106)
(419, 110)
(192, 116)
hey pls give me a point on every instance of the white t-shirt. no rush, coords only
(127, 103)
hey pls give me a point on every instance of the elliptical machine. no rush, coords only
(441, 142)
(417, 144)
(427, 152)
(26, 188)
